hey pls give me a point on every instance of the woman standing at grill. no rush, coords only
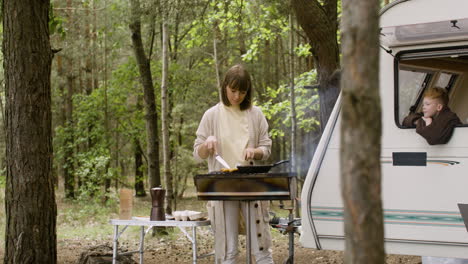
(237, 131)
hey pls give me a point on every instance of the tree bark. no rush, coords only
(68, 153)
(139, 180)
(216, 35)
(69, 177)
(319, 22)
(107, 134)
(31, 211)
(361, 133)
(61, 119)
(149, 97)
(292, 95)
(165, 120)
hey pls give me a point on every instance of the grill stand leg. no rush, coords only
(247, 235)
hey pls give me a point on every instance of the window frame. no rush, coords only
(396, 78)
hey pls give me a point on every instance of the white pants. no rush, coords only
(231, 214)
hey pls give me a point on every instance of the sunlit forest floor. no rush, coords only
(82, 225)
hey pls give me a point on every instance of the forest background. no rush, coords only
(98, 101)
(109, 54)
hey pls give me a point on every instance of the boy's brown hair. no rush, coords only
(439, 94)
(237, 78)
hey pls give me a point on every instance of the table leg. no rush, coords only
(115, 244)
(194, 244)
(247, 234)
(142, 241)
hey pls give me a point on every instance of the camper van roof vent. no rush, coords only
(450, 30)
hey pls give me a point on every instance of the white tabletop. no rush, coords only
(144, 221)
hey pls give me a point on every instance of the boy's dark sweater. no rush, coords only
(439, 131)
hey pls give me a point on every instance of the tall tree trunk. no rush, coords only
(276, 75)
(139, 179)
(31, 211)
(94, 61)
(88, 68)
(164, 117)
(68, 155)
(219, 45)
(241, 34)
(138, 155)
(292, 95)
(319, 21)
(149, 98)
(361, 133)
(107, 134)
(61, 118)
(216, 35)
(69, 176)
(88, 47)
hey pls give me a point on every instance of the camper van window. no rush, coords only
(443, 79)
(411, 84)
(416, 71)
(446, 80)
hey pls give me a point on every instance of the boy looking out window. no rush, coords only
(436, 122)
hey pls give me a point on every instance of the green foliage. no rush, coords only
(277, 108)
(91, 139)
(265, 24)
(303, 50)
(56, 23)
(93, 170)
(184, 167)
(84, 211)
(107, 121)
(192, 93)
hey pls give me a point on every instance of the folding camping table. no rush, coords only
(145, 222)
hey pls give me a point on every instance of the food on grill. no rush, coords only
(228, 170)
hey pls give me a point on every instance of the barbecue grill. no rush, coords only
(245, 186)
(236, 186)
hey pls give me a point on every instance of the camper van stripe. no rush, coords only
(391, 210)
(399, 217)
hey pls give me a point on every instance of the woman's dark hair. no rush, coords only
(237, 78)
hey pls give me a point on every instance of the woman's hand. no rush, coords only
(208, 147)
(210, 144)
(249, 153)
(253, 153)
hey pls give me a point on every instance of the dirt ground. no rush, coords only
(176, 248)
(160, 250)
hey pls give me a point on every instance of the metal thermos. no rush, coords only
(157, 209)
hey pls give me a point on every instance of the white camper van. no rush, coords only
(424, 187)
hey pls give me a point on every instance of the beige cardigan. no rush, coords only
(258, 138)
